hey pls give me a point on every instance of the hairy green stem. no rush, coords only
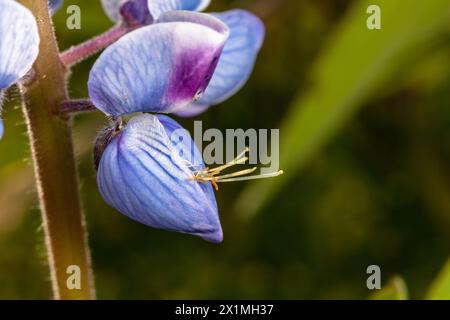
(55, 167)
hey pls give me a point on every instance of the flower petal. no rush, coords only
(206, 20)
(182, 142)
(19, 42)
(1, 128)
(157, 68)
(238, 58)
(134, 12)
(142, 175)
(158, 7)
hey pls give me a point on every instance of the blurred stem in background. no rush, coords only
(440, 288)
(54, 163)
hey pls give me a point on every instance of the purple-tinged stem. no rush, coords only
(84, 50)
(77, 106)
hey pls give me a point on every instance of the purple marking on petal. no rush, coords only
(135, 13)
(238, 57)
(187, 81)
(236, 61)
(194, 67)
(157, 68)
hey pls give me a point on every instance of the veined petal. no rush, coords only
(238, 57)
(158, 68)
(206, 20)
(158, 7)
(183, 145)
(19, 42)
(142, 175)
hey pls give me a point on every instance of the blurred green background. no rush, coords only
(364, 118)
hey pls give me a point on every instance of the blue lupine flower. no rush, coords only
(239, 54)
(143, 174)
(141, 171)
(176, 65)
(158, 68)
(19, 44)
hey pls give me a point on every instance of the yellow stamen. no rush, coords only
(211, 175)
(238, 160)
(259, 176)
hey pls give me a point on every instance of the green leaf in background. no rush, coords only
(440, 288)
(395, 289)
(356, 65)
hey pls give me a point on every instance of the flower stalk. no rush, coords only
(77, 106)
(55, 167)
(86, 49)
